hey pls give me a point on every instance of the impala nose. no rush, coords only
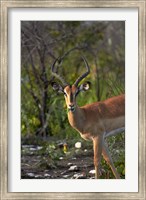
(72, 107)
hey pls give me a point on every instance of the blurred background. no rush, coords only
(43, 112)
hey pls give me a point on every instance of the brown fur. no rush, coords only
(95, 120)
(99, 117)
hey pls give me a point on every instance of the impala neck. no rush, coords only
(76, 118)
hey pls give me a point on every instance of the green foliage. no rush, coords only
(116, 145)
(41, 108)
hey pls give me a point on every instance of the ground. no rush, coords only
(75, 167)
(62, 160)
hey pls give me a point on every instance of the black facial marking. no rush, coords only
(71, 97)
(65, 94)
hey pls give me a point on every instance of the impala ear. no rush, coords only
(57, 87)
(85, 86)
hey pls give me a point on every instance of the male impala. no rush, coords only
(94, 121)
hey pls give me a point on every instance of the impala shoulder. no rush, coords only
(90, 106)
(115, 98)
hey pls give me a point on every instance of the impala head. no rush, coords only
(70, 91)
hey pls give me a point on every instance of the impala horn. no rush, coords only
(83, 75)
(55, 74)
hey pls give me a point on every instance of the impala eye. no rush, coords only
(65, 94)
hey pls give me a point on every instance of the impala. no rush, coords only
(93, 121)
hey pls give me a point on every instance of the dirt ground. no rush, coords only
(53, 161)
(79, 167)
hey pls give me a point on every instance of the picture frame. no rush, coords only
(5, 5)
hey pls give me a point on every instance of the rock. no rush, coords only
(47, 175)
(33, 149)
(36, 148)
(78, 145)
(28, 146)
(30, 174)
(38, 176)
(92, 171)
(73, 168)
(69, 164)
(66, 176)
(39, 147)
(79, 176)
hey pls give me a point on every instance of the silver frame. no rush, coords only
(5, 4)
